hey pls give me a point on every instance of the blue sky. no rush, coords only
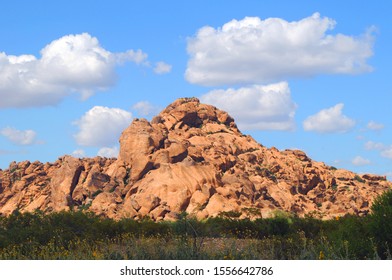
(312, 75)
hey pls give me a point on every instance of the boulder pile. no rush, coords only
(190, 158)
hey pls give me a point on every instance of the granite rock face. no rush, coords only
(190, 158)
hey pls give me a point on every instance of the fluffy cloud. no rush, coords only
(257, 107)
(329, 121)
(145, 108)
(375, 126)
(370, 145)
(102, 126)
(79, 153)
(252, 50)
(162, 68)
(385, 150)
(108, 152)
(360, 161)
(73, 63)
(19, 137)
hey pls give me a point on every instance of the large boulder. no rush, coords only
(190, 158)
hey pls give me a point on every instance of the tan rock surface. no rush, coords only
(192, 158)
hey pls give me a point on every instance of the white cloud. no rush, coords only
(370, 145)
(137, 57)
(73, 63)
(79, 153)
(329, 121)
(258, 107)
(162, 68)
(145, 108)
(108, 152)
(387, 152)
(252, 50)
(360, 161)
(372, 125)
(19, 137)
(102, 126)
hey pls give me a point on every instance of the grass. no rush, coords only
(80, 235)
(173, 247)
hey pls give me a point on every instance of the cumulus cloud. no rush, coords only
(370, 145)
(79, 153)
(101, 126)
(162, 68)
(258, 107)
(253, 50)
(145, 108)
(73, 63)
(372, 125)
(19, 137)
(360, 161)
(108, 152)
(329, 121)
(385, 150)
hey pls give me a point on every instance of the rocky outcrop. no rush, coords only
(190, 158)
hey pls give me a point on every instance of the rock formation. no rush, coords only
(190, 158)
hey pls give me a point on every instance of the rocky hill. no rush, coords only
(190, 158)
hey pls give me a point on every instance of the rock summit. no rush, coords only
(190, 158)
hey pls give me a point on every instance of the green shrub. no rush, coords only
(84, 235)
(350, 236)
(278, 226)
(359, 179)
(381, 223)
(311, 227)
(96, 193)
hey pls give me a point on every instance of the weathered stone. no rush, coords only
(192, 158)
(64, 181)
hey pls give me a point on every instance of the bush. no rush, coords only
(310, 226)
(359, 179)
(350, 236)
(278, 226)
(78, 235)
(381, 223)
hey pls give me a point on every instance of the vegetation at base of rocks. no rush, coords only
(229, 214)
(84, 207)
(381, 221)
(83, 235)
